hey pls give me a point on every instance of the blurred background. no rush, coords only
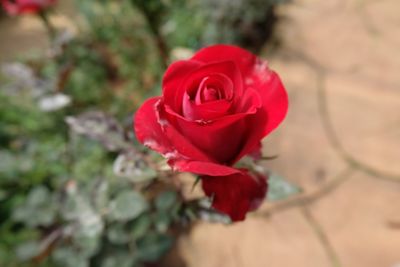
(340, 62)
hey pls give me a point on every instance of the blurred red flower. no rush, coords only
(17, 7)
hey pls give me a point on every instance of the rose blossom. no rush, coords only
(236, 194)
(17, 7)
(215, 108)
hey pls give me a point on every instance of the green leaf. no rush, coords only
(119, 259)
(127, 205)
(162, 221)
(100, 196)
(166, 200)
(78, 209)
(88, 245)
(214, 216)
(153, 246)
(131, 166)
(3, 194)
(140, 226)
(39, 208)
(117, 234)
(100, 127)
(279, 188)
(67, 257)
(28, 250)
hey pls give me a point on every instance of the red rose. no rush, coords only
(236, 194)
(17, 7)
(215, 108)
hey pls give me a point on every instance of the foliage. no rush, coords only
(75, 190)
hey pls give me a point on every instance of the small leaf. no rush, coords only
(77, 208)
(279, 188)
(141, 226)
(196, 182)
(116, 234)
(100, 195)
(153, 246)
(166, 200)
(214, 216)
(88, 245)
(162, 221)
(100, 127)
(131, 166)
(119, 259)
(128, 205)
(3, 194)
(28, 250)
(67, 257)
(38, 209)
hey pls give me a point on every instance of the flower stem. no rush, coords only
(51, 31)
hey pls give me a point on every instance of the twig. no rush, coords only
(305, 200)
(322, 237)
(333, 138)
(51, 31)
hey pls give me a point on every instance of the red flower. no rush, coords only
(215, 108)
(17, 7)
(236, 194)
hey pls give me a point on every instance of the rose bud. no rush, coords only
(18, 7)
(215, 108)
(236, 194)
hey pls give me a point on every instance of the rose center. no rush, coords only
(212, 88)
(210, 94)
(208, 97)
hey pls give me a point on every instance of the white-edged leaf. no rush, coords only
(279, 188)
(127, 205)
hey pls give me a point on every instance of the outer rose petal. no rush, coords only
(274, 108)
(216, 53)
(148, 130)
(205, 168)
(235, 194)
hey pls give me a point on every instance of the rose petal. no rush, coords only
(185, 148)
(217, 53)
(148, 129)
(235, 194)
(153, 129)
(213, 87)
(250, 102)
(220, 140)
(224, 68)
(204, 168)
(173, 80)
(274, 108)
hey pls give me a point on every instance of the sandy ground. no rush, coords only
(340, 61)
